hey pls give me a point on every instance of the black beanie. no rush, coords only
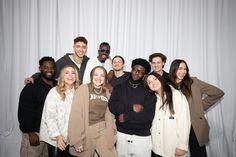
(142, 62)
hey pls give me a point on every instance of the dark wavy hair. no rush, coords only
(154, 55)
(117, 56)
(185, 84)
(81, 39)
(166, 92)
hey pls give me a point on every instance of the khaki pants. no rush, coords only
(98, 142)
(27, 150)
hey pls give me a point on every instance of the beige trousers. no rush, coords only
(98, 142)
(27, 150)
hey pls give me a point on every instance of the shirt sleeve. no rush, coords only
(50, 114)
(115, 104)
(183, 122)
(211, 94)
(108, 65)
(147, 114)
(86, 78)
(36, 75)
(27, 109)
(77, 125)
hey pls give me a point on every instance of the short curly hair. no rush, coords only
(142, 62)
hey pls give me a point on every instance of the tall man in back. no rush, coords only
(103, 59)
(79, 59)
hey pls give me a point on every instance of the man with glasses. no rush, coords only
(103, 59)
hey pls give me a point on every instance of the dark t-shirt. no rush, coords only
(119, 80)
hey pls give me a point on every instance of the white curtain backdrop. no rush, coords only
(203, 32)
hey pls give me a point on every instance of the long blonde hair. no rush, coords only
(61, 82)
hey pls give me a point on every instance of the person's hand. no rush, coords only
(29, 80)
(110, 75)
(61, 142)
(33, 139)
(79, 149)
(137, 108)
(121, 118)
(179, 152)
(108, 87)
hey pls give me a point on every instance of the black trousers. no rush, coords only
(56, 152)
(155, 155)
(195, 149)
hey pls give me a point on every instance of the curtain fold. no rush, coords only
(201, 32)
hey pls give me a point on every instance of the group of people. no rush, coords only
(81, 106)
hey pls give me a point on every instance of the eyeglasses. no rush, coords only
(103, 50)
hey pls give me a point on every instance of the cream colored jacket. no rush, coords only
(168, 131)
(55, 116)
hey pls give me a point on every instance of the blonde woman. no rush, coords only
(91, 125)
(56, 112)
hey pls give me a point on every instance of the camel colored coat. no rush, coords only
(79, 122)
(203, 97)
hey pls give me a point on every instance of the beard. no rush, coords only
(48, 77)
(102, 60)
(103, 57)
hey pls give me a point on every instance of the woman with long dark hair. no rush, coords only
(171, 124)
(201, 96)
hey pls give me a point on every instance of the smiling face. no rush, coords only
(103, 53)
(153, 83)
(157, 64)
(181, 72)
(80, 49)
(98, 77)
(47, 70)
(137, 72)
(69, 77)
(117, 64)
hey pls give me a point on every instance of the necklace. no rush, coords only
(134, 85)
(96, 91)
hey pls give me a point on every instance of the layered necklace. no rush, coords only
(97, 90)
(133, 85)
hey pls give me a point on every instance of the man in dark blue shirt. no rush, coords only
(31, 104)
(134, 108)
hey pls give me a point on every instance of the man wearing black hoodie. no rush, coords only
(134, 108)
